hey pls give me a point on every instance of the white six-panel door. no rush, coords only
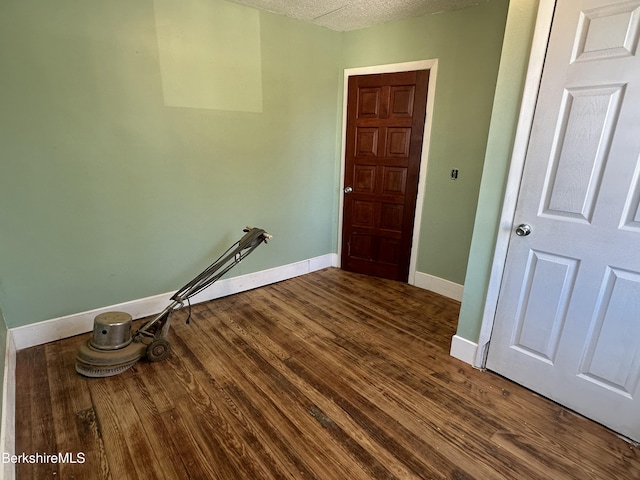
(568, 317)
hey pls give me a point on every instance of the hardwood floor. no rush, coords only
(331, 375)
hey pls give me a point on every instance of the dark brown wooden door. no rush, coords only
(385, 125)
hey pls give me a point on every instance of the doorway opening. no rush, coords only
(372, 211)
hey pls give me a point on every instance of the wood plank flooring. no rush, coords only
(327, 376)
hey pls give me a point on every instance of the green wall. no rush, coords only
(467, 44)
(124, 170)
(3, 351)
(506, 107)
(108, 194)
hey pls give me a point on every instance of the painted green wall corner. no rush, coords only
(114, 188)
(108, 194)
(467, 44)
(506, 107)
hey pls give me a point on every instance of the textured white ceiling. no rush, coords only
(345, 15)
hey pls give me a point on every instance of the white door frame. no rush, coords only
(516, 168)
(432, 66)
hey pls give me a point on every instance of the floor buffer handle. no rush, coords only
(113, 349)
(158, 327)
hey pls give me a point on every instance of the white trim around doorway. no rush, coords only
(432, 66)
(516, 168)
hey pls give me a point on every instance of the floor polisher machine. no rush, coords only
(113, 348)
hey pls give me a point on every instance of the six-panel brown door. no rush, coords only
(385, 126)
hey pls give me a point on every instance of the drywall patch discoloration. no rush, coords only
(196, 72)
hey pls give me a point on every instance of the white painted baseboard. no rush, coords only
(463, 349)
(71, 325)
(8, 433)
(439, 285)
(75, 324)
